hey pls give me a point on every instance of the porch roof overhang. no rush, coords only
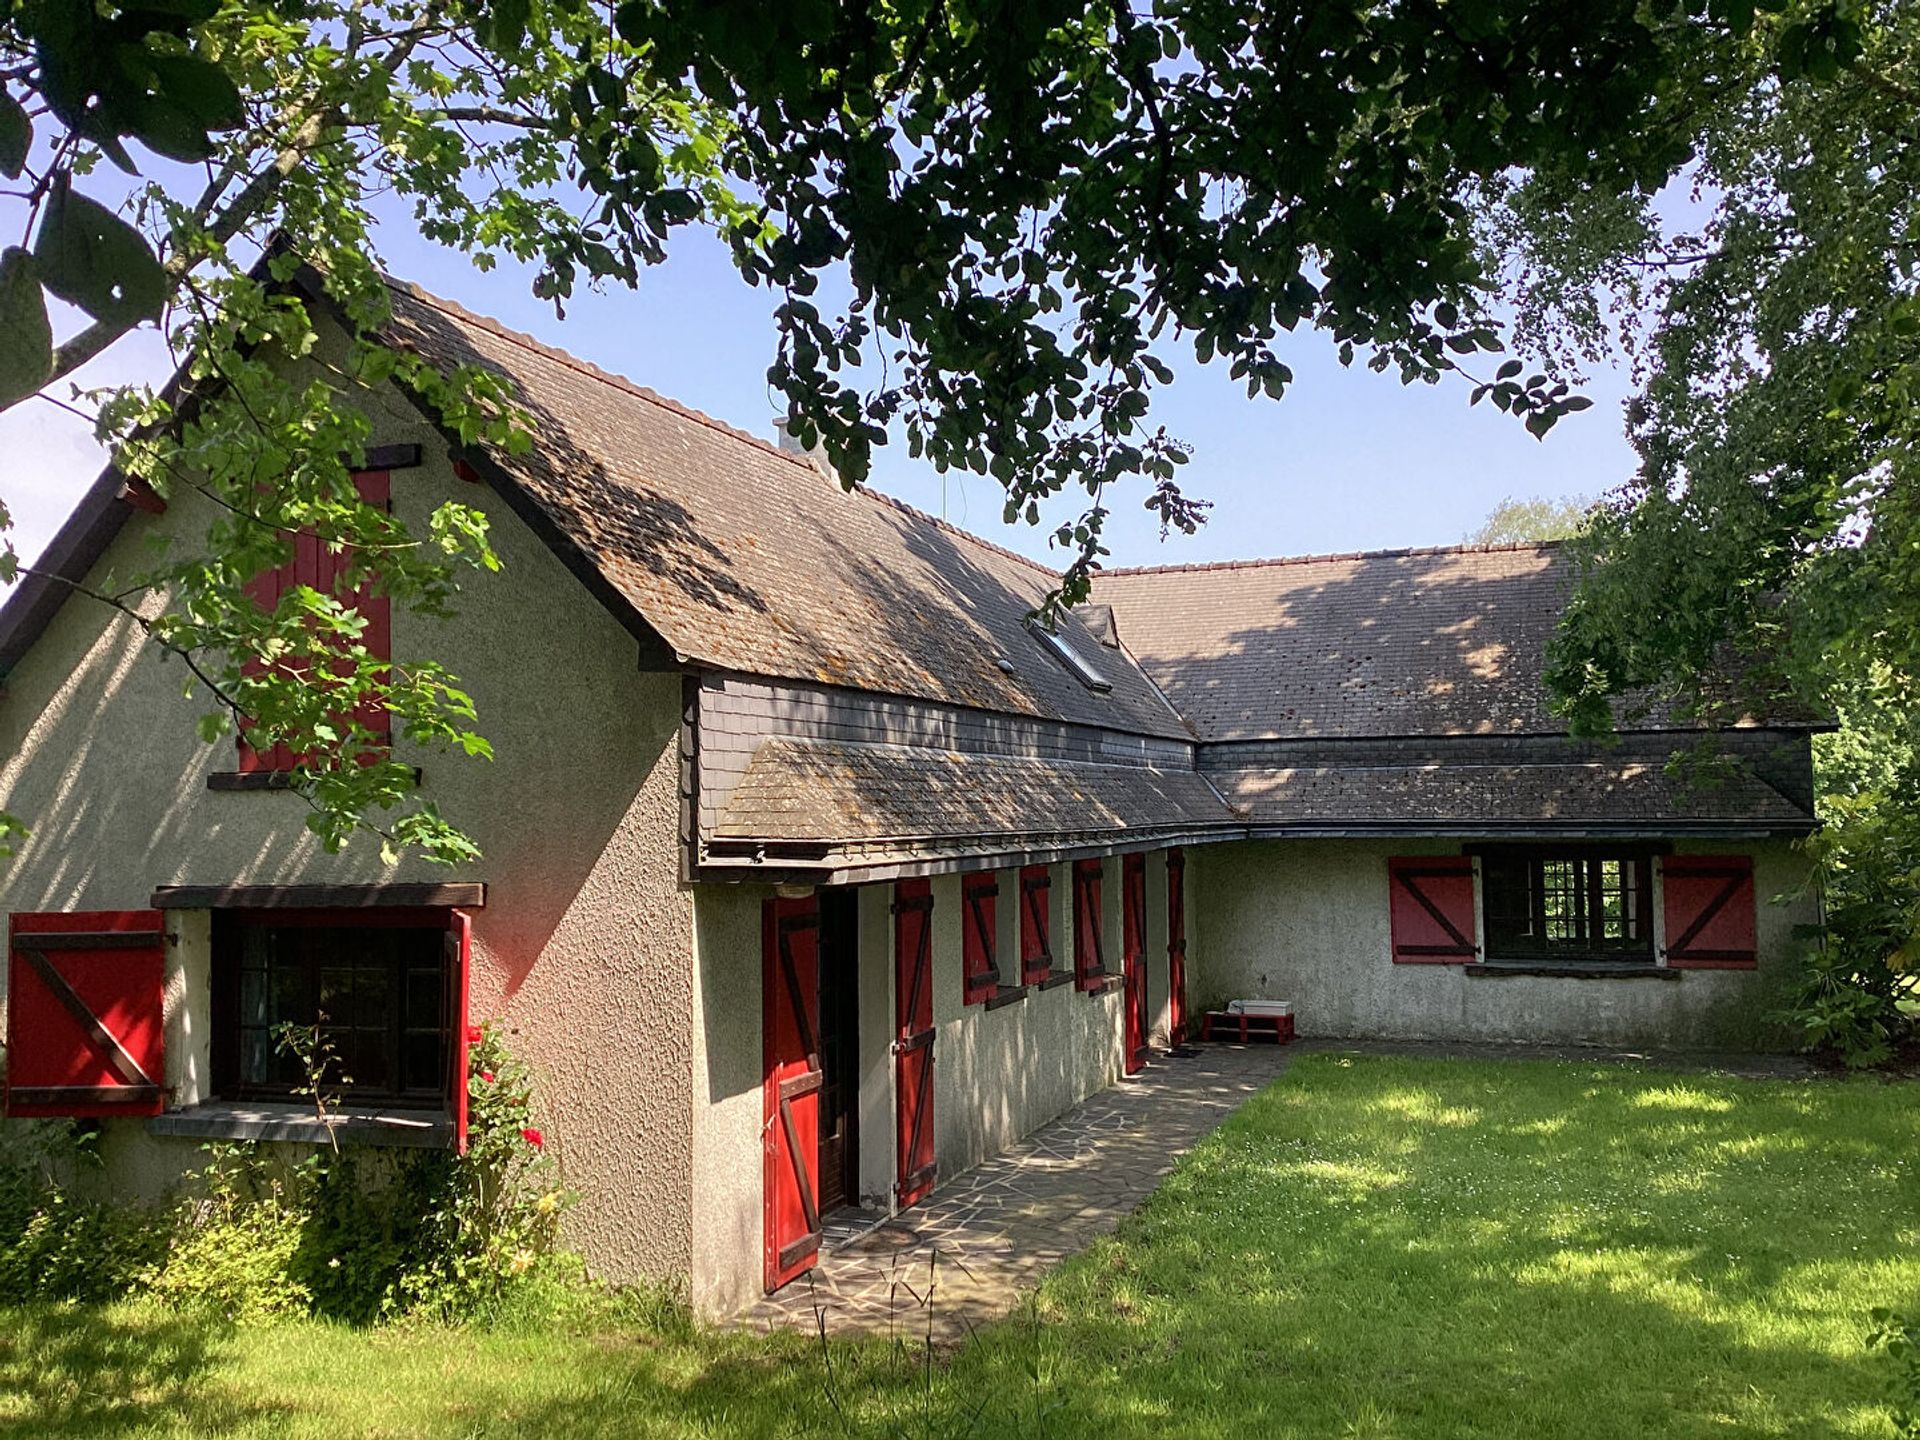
(1602, 798)
(819, 808)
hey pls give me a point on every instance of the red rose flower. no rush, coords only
(487, 1075)
(532, 1136)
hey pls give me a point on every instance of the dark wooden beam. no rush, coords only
(465, 896)
(392, 457)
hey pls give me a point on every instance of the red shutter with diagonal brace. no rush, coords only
(86, 1031)
(913, 1039)
(1036, 924)
(1431, 908)
(1709, 911)
(790, 1041)
(1089, 955)
(979, 938)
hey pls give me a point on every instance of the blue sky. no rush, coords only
(1349, 460)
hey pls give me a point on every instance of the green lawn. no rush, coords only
(1372, 1247)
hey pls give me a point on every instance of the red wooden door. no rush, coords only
(913, 1037)
(790, 1030)
(1133, 944)
(1176, 946)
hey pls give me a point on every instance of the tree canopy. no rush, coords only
(1024, 209)
(1773, 317)
(1538, 517)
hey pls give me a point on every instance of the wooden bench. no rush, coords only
(1224, 1025)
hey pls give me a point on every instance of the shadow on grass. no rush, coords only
(92, 1370)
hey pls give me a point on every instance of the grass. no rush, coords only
(1372, 1247)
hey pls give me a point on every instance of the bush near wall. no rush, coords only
(360, 1237)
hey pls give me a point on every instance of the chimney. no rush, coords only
(790, 443)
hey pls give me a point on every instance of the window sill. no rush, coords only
(236, 780)
(1009, 995)
(1056, 978)
(420, 1129)
(1106, 985)
(1571, 969)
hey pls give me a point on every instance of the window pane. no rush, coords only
(381, 990)
(1564, 906)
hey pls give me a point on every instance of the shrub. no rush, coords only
(54, 1243)
(232, 1249)
(355, 1236)
(1856, 989)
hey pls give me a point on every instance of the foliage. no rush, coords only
(54, 1241)
(493, 1216)
(321, 1071)
(1858, 988)
(1898, 1335)
(234, 1247)
(989, 226)
(1539, 517)
(1762, 560)
(337, 1233)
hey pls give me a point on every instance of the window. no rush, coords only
(979, 950)
(1568, 904)
(380, 988)
(314, 565)
(1036, 924)
(1081, 668)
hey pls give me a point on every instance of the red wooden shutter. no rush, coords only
(790, 1029)
(979, 937)
(376, 490)
(1036, 924)
(1089, 959)
(1133, 967)
(1432, 909)
(459, 955)
(265, 590)
(913, 1039)
(320, 568)
(1176, 946)
(86, 1031)
(1710, 912)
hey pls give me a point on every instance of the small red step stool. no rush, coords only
(1225, 1025)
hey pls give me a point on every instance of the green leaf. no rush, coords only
(92, 258)
(26, 339)
(201, 89)
(16, 136)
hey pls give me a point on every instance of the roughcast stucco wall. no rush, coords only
(1307, 921)
(583, 944)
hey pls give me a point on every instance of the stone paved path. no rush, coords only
(986, 1237)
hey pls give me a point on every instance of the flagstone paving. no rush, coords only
(966, 1254)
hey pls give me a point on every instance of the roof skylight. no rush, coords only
(1077, 664)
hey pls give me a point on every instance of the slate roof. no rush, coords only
(747, 558)
(1393, 643)
(1603, 795)
(801, 790)
(742, 557)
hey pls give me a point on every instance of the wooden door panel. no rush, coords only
(913, 1039)
(790, 1020)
